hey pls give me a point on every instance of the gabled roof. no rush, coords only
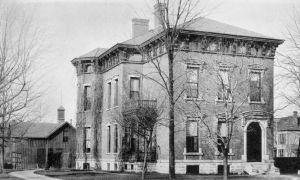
(288, 123)
(36, 130)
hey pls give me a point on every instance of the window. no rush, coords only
(129, 139)
(87, 140)
(108, 138)
(223, 89)
(192, 82)
(109, 94)
(134, 88)
(87, 99)
(65, 135)
(191, 136)
(116, 94)
(255, 87)
(280, 152)
(223, 131)
(87, 68)
(116, 139)
(282, 139)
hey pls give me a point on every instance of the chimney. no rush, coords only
(60, 114)
(139, 26)
(296, 119)
(159, 12)
(295, 114)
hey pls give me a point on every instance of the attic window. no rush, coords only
(87, 68)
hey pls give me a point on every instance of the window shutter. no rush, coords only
(191, 129)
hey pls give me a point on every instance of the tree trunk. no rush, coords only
(145, 159)
(225, 165)
(3, 145)
(171, 115)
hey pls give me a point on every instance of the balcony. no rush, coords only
(134, 105)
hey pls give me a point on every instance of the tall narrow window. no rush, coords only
(87, 98)
(191, 136)
(280, 152)
(134, 88)
(281, 138)
(109, 94)
(255, 87)
(223, 89)
(116, 139)
(192, 82)
(116, 94)
(87, 140)
(222, 134)
(65, 135)
(108, 138)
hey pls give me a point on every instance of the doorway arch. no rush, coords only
(254, 144)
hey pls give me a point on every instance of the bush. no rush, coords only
(8, 166)
(287, 164)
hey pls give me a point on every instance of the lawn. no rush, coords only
(92, 175)
(8, 177)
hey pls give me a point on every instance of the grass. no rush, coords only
(8, 177)
(100, 175)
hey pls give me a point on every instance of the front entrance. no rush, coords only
(254, 142)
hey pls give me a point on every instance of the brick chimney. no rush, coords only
(159, 12)
(60, 114)
(139, 26)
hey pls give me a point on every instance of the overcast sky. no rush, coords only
(74, 27)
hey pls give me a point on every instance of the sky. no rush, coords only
(73, 27)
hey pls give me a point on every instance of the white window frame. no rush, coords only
(86, 85)
(140, 84)
(227, 68)
(261, 71)
(115, 79)
(193, 65)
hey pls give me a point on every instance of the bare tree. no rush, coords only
(173, 17)
(18, 49)
(227, 78)
(139, 119)
(288, 63)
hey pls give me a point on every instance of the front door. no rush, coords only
(254, 142)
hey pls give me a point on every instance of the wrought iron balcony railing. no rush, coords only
(136, 104)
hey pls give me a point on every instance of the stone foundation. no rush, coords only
(162, 166)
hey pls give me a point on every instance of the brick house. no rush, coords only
(287, 135)
(107, 78)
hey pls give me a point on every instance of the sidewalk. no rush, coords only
(30, 175)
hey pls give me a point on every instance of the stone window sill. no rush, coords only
(193, 154)
(257, 102)
(193, 99)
